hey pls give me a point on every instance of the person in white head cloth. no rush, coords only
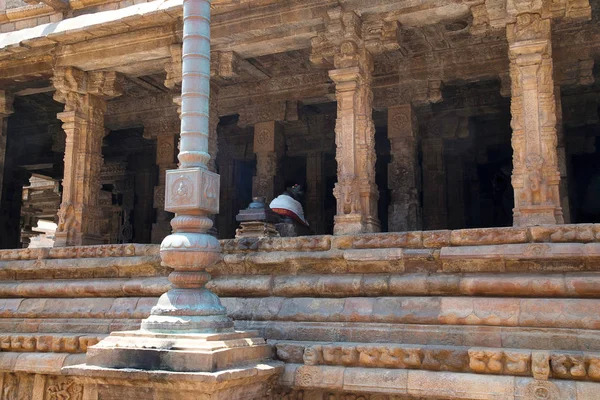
(288, 204)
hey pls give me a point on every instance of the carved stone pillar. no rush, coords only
(563, 165)
(268, 147)
(355, 191)
(84, 95)
(315, 191)
(403, 170)
(535, 162)
(164, 130)
(6, 109)
(435, 203)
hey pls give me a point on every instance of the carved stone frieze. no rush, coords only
(540, 365)
(479, 360)
(47, 343)
(63, 388)
(162, 126)
(113, 250)
(301, 244)
(265, 112)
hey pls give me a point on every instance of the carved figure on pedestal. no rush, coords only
(344, 193)
(536, 187)
(67, 220)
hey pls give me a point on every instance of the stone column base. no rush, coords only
(351, 224)
(250, 382)
(537, 215)
(347, 224)
(178, 352)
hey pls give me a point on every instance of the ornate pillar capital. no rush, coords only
(498, 14)
(73, 84)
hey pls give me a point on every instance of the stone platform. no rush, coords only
(180, 353)
(509, 313)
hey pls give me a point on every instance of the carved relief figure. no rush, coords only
(517, 363)
(537, 189)
(64, 389)
(540, 365)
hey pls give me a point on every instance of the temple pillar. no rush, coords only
(536, 176)
(355, 191)
(84, 95)
(268, 147)
(435, 203)
(561, 151)
(165, 133)
(315, 191)
(403, 170)
(6, 109)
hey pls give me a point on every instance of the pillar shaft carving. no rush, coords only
(404, 210)
(84, 95)
(315, 191)
(535, 162)
(563, 166)
(356, 192)
(164, 131)
(435, 205)
(343, 45)
(6, 109)
(268, 147)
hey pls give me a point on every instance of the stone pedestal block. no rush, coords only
(179, 353)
